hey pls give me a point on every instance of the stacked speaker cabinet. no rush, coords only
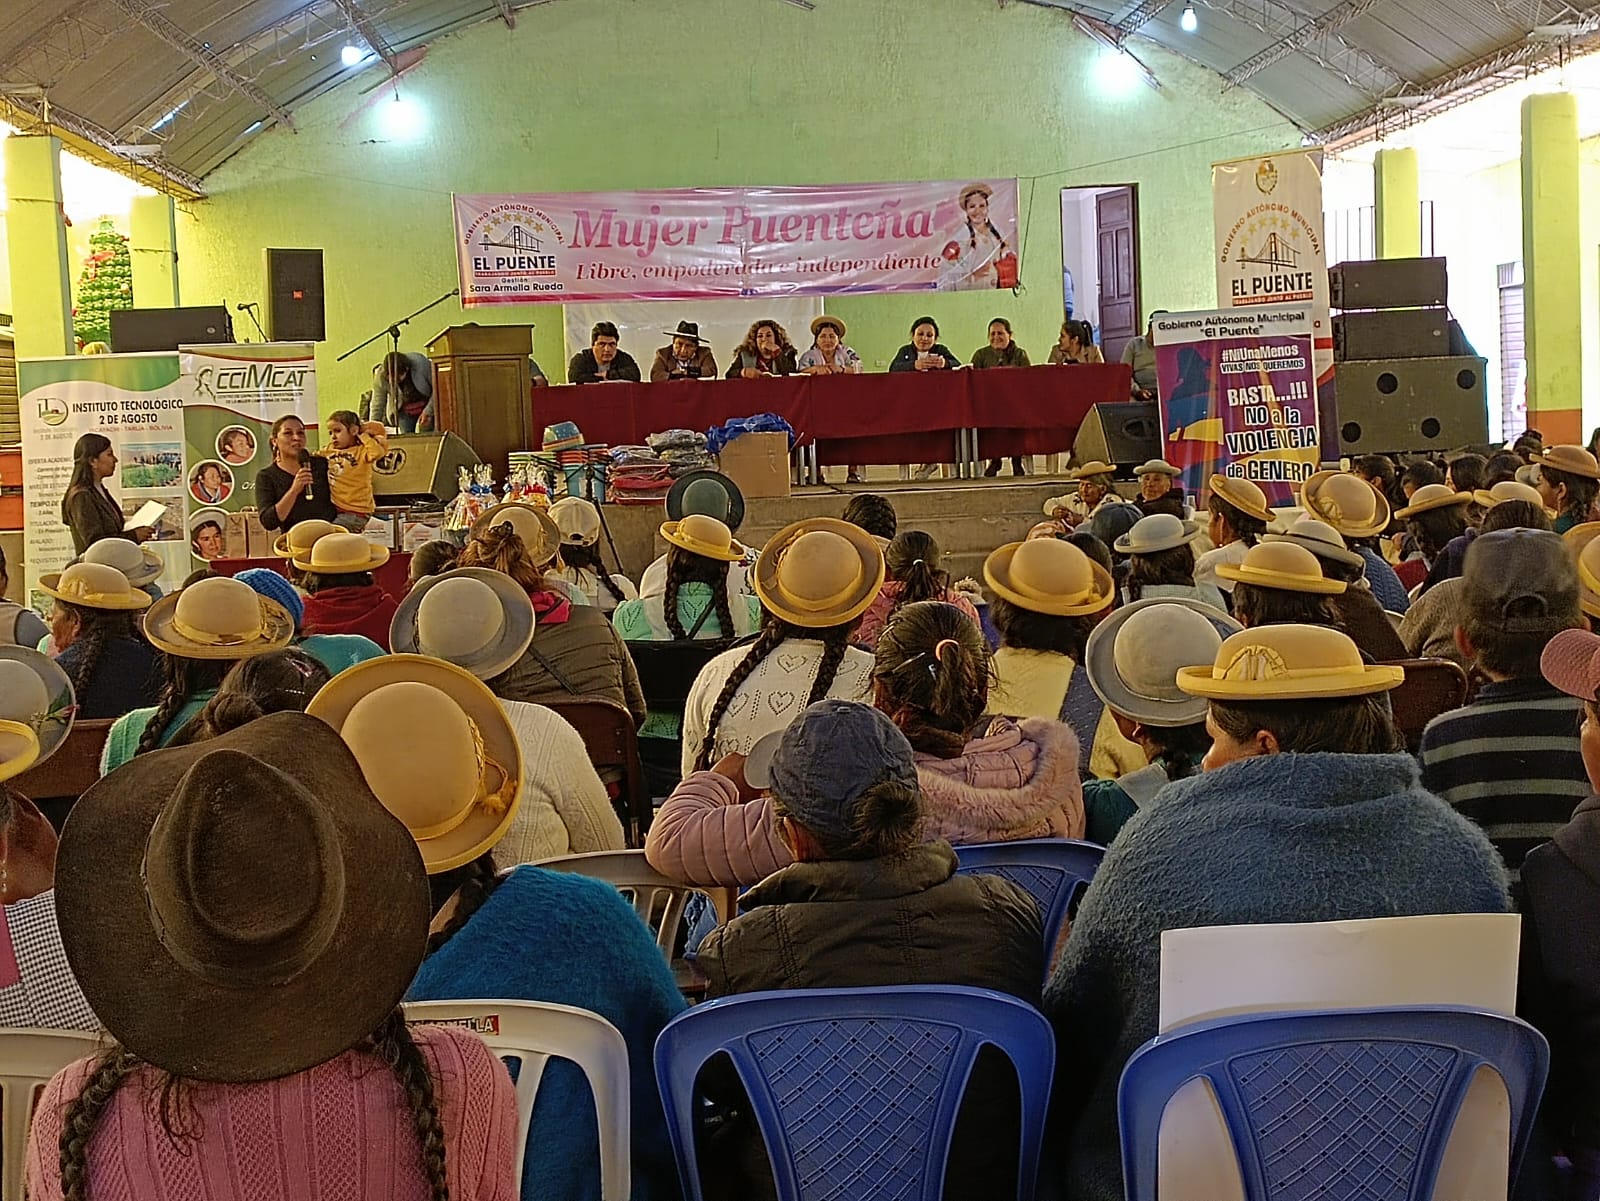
(1123, 434)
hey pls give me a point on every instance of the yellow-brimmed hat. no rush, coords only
(1346, 502)
(19, 749)
(1092, 468)
(819, 572)
(94, 586)
(1281, 565)
(218, 618)
(300, 537)
(435, 747)
(828, 319)
(1580, 540)
(1574, 460)
(1287, 663)
(1430, 497)
(704, 536)
(540, 535)
(1488, 498)
(1048, 576)
(970, 189)
(341, 554)
(1243, 495)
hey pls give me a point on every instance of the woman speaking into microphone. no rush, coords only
(294, 488)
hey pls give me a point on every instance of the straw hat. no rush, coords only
(139, 563)
(1092, 468)
(1510, 490)
(243, 908)
(539, 534)
(1346, 502)
(1281, 565)
(474, 617)
(707, 492)
(94, 586)
(1048, 576)
(1430, 497)
(1134, 655)
(1578, 541)
(436, 748)
(1157, 467)
(297, 539)
(972, 189)
(819, 572)
(828, 319)
(1243, 495)
(218, 618)
(1157, 532)
(36, 692)
(1287, 663)
(341, 554)
(1574, 460)
(19, 749)
(577, 519)
(703, 536)
(1321, 539)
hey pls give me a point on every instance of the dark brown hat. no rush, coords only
(244, 908)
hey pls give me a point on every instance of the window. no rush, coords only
(1513, 354)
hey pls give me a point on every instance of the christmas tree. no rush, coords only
(106, 284)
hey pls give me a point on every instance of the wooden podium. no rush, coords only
(483, 388)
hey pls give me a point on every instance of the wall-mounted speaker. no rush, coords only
(1124, 434)
(1389, 406)
(295, 310)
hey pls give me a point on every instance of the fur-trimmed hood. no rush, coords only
(1019, 779)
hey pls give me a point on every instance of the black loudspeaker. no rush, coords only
(1388, 284)
(1124, 434)
(1389, 406)
(420, 467)
(167, 329)
(294, 296)
(1391, 334)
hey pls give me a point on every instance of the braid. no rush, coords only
(98, 627)
(474, 884)
(835, 641)
(996, 234)
(972, 235)
(174, 696)
(677, 567)
(83, 1113)
(772, 634)
(719, 598)
(588, 558)
(392, 1043)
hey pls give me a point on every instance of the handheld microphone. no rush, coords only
(305, 461)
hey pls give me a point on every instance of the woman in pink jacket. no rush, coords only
(1002, 780)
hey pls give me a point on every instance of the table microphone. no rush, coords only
(305, 461)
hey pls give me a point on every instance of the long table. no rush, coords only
(880, 417)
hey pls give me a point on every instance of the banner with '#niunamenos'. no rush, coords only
(733, 242)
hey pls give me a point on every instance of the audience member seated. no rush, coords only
(1353, 508)
(1502, 465)
(1569, 481)
(139, 563)
(766, 350)
(1435, 518)
(434, 557)
(341, 595)
(603, 362)
(1139, 352)
(1095, 482)
(1047, 596)
(97, 641)
(574, 652)
(1279, 583)
(710, 494)
(1159, 491)
(815, 579)
(912, 574)
(1417, 475)
(334, 651)
(688, 357)
(1306, 779)
(873, 513)
(1132, 661)
(269, 968)
(1160, 554)
(1521, 498)
(924, 352)
(19, 626)
(1379, 474)
(828, 354)
(203, 629)
(278, 682)
(1510, 759)
(1464, 473)
(1238, 513)
(581, 567)
(1357, 612)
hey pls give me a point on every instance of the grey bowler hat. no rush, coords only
(1134, 655)
(479, 619)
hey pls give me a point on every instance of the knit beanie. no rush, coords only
(265, 582)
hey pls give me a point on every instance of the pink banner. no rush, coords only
(731, 242)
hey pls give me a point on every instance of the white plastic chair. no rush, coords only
(534, 1032)
(658, 900)
(28, 1058)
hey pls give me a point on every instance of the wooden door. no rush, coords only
(1116, 215)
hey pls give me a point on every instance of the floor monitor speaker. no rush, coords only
(295, 310)
(1124, 434)
(1389, 406)
(420, 467)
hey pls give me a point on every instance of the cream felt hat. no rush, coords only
(1286, 663)
(1578, 541)
(1091, 469)
(218, 618)
(1048, 576)
(704, 536)
(139, 563)
(341, 554)
(36, 692)
(1574, 460)
(1134, 655)
(819, 572)
(1281, 565)
(1430, 497)
(1346, 502)
(1488, 498)
(474, 617)
(435, 747)
(94, 586)
(1320, 538)
(1157, 467)
(1244, 495)
(577, 519)
(298, 538)
(19, 749)
(540, 535)
(1157, 532)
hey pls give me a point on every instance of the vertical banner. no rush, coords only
(136, 401)
(232, 395)
(1270, 250)
(1239, 397)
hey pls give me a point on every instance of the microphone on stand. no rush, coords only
(305, 461)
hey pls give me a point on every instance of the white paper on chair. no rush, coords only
(1450, 959)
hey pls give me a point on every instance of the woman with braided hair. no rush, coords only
(281, 682)
(913, 573)
(257, 985)
(97, 643)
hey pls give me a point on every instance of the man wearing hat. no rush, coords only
(687, 357)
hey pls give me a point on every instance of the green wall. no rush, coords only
(593, 94)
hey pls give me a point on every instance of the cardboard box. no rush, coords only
(758, 463)
(236, 536)
(258, 538)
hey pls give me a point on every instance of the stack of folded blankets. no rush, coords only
(638, 476)
(683, 450)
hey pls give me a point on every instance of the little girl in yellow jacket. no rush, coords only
(353, 447)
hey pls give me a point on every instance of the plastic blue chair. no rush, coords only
(1053, 871)
(856, 1090)
(1330, 1105)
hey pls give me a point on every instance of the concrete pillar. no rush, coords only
(36, 238)
(1552, 266)
(1398, 220)
(152, 243)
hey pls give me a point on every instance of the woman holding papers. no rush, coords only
(87, 509)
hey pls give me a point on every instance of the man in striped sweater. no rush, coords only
(1510, 760)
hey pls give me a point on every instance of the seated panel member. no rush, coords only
(689, 356)
(603, 362)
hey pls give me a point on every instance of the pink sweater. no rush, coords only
(877, 614)
(340, 1131)
(1020, 780)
